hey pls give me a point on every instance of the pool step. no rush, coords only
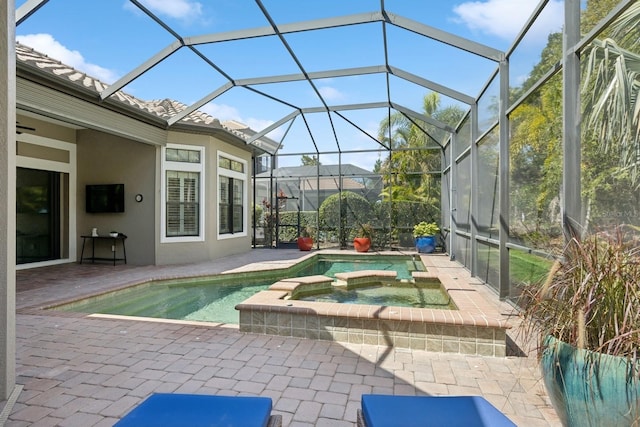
(415, 265)
(297, 286)
(363, 277)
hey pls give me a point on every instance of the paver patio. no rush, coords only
(90, 371)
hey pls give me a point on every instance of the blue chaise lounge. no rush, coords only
(196, 410)
(426, 411)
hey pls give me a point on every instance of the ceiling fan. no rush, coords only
(19, 126)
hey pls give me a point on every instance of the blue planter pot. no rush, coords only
(426, 244)
(588, 388)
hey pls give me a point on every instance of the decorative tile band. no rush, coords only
(416, 335)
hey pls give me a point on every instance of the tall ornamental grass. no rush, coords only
(591, 296)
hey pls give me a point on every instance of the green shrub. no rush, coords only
(425, 228)
(344, 213)
(290, 234)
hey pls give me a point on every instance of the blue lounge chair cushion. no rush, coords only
(195, 410)
(451, 411)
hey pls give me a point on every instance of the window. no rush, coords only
(232, 195)
(182, 203)
(182, 193)
(182, 155)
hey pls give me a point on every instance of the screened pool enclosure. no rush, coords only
(388, 113)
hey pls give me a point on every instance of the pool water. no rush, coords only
(328, 267)
(215, 301)
(202, 302)
(387, 294)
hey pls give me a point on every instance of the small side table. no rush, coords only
(114, 242)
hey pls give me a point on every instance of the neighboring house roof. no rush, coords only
(331, 183)
(162, 108)
(328, 179)
(312, 171)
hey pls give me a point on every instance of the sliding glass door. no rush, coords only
(38, 215)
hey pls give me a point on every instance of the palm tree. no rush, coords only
(415, 191)
(611, 92)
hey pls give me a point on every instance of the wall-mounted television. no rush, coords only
(105, 198)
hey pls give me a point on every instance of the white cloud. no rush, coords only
(368, 161)
(45, 43)
(259, 124)
(179, 9)
(222, 112)
(505, 18)
(330, 93)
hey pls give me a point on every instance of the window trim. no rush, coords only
(182, 167)
(245, 196)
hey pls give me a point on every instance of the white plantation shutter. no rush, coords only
(190, 206)
(237, 205)
(183, 189)
(173, 204)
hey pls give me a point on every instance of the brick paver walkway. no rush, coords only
(88, 371)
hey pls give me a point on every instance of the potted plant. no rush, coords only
(586, 316)
(305, 241)
(425, 236)
(362, 241)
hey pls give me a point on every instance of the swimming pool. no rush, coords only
(214, 299)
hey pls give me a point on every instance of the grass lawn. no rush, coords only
(527, 268)
(523, 267)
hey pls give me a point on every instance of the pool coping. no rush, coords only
(468, 312)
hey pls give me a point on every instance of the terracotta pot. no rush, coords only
(362, 244)
(305, 243)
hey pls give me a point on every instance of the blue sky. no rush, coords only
(108, 38)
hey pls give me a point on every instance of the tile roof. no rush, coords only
(162, 108)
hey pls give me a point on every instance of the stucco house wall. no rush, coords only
(212, 246)
(120, 140)
(108, 159)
